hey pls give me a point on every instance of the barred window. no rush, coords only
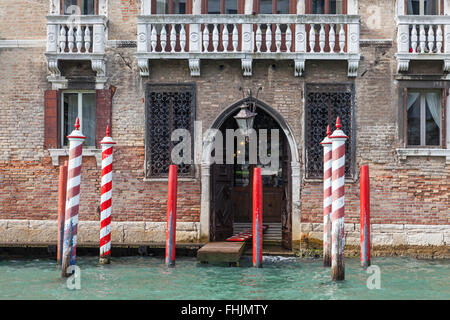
(324, 103)
(168, 107)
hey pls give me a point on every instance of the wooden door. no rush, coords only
(221, 202)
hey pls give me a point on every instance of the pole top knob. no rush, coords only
(77, 124)
(338, 123)
(328, 131)
(108, 132)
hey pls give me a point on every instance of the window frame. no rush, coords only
(442, 130)
(308, 7)
(440, 8)
(80, 114)
(351, 175)
(292, 6)
(80, 5)
(191, 86)
(170, 7)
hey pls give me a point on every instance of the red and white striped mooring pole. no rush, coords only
(76, 139)
(327, 160)
(62, 188)
(171, 216)
(257, 218)
(106, 193)
(338, 139)
(365, 216)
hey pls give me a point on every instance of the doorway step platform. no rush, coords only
(221, 251)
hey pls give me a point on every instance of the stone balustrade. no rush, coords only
(423, 38)
(248, 37)
(76, 38)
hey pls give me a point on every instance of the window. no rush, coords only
(325, 7)
(324, 103)
(272, 7)
(221, 7)
(423, 7)
(424, 118)
(86, 7)
(82, 105)
(169, 6)
(169, 107)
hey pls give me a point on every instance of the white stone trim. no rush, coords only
(403, 153)
(122, 232)
(389, 234)
(64, 152)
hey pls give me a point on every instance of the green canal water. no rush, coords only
(280, 278)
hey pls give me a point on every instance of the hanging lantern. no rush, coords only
(245, 119)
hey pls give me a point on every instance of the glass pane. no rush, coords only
(265, 6)
(70, 114)
(431, 7)
(422, 7)
(336, 7)
(88, 7)
(70, 7)
(432, 135)
(282, 6)
(88, 121)
(241, 175)
(318, 7)
(231, 7)
(179, 6)
(162, 7)
(214, 6)
(414, 124)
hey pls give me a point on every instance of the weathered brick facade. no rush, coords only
(415, 191)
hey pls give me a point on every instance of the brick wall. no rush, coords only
(415, 191)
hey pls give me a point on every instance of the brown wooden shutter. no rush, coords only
(444, 118)
(51, 119)
(103, 114)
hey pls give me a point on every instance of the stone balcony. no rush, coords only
(75, 38)
(247, 37)
(423, 38)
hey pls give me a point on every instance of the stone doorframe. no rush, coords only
(206, 168)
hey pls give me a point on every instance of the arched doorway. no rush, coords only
(227, 188)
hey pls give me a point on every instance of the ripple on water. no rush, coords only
(280, 278)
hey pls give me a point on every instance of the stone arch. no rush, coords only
(206, 166)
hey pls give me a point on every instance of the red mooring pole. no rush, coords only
(338, 139)
(62, 188)
(327, 160)
(105, 200)
(171, 216)
(365, 216)
(257, 218)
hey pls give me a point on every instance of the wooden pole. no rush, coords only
(76, 139)
(365, 216)
(106, 195)
(338, 139)
(62, 188)
(257, 218)
(327, 199)
(171, 216)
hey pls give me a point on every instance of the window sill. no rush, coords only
(87, 152)
(403, 153)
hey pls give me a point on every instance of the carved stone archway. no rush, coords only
(206, 168)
